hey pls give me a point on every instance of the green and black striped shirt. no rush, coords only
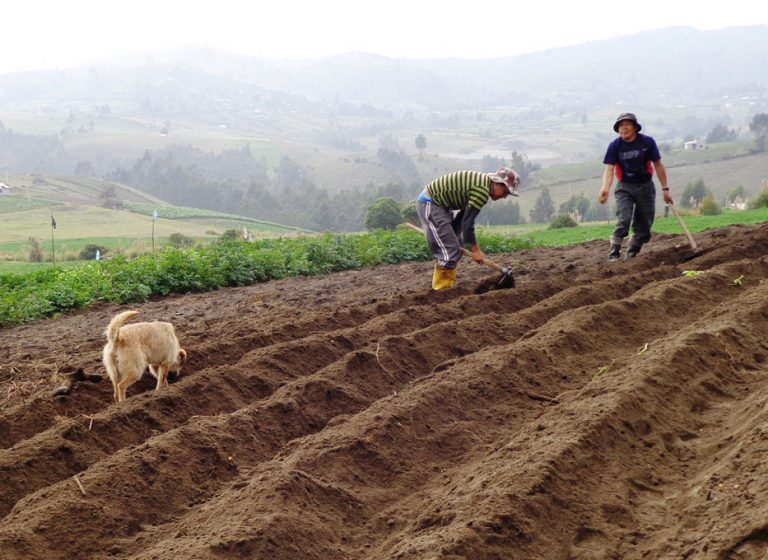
(460, 189)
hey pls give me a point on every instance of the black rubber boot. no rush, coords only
(633, 250)
(615, 253)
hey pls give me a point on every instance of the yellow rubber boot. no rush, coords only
(443, 278)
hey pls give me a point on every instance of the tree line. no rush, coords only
(236, 182)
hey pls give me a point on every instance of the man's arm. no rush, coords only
(468, 233)
(661, 173)
(608, 174)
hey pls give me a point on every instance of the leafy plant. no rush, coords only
(710, 207)
(562, 221)
(760, 201)
(89, 251)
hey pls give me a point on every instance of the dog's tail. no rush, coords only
(117, 322)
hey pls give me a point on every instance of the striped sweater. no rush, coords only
(460, 189)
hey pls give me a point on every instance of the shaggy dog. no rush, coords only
(131, 348)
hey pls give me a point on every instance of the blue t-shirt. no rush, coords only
(633, 159)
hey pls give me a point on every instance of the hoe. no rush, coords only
(505, 282)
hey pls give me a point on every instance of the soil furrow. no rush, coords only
(422, 429)
(595, 411)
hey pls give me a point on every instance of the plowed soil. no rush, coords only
(594, 411)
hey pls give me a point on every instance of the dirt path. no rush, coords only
(595, 411)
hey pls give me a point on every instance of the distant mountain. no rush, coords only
(670, 64)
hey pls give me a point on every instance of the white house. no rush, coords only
(694, 145)
(4, 188)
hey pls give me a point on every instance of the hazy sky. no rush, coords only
(58, 33)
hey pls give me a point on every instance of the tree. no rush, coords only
(738, 192)
(693, 194)
(502, 212)
(290, 174)
(409, 212)
(421, 143)
(577, 204)
(85, 168)
(720, 133)
(760, 201)
(490, 164)
(759, 127)
(524, 167)
(543, 208)
(385, 213)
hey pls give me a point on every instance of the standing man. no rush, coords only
(447, 209)
(632, 158)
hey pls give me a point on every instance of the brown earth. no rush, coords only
(595, 411)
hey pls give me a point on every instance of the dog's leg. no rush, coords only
(121, 389)
(162, 376)
(130, 376)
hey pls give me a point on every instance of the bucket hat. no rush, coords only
(627, 117)
(508, 177)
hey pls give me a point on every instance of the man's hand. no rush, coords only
(477, 255)
(668, 197)
(603, 197)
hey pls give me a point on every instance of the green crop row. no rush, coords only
(9, 203)
(37, 295)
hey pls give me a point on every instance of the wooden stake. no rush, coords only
(79, 484)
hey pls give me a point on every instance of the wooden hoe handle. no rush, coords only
(685, 229)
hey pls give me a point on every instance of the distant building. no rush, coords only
(738, 203)
(4, 188)
(694, 145)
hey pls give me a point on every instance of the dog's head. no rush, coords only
(181, 359)
(175, 371)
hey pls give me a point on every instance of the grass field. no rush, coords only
(589, 231)
(75, 202)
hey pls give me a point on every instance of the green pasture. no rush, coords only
(541, 235)
(121, 232)
(81, 222)
(203, 216)
(73, 190)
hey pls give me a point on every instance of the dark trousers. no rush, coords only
(635, 208)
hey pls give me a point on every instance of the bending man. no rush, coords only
(448, 208)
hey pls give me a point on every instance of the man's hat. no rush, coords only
(626, 117)
(508, 177)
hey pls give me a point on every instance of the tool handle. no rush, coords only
(682, 224)
(466, 252)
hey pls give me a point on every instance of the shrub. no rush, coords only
(88, 253)
(710, 207)
(35, 250)
(562, 221)
(181, 240)
(230, 235)
(112, 204)
(385, 213)
(760, 201)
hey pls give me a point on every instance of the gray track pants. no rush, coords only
(441, 234)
